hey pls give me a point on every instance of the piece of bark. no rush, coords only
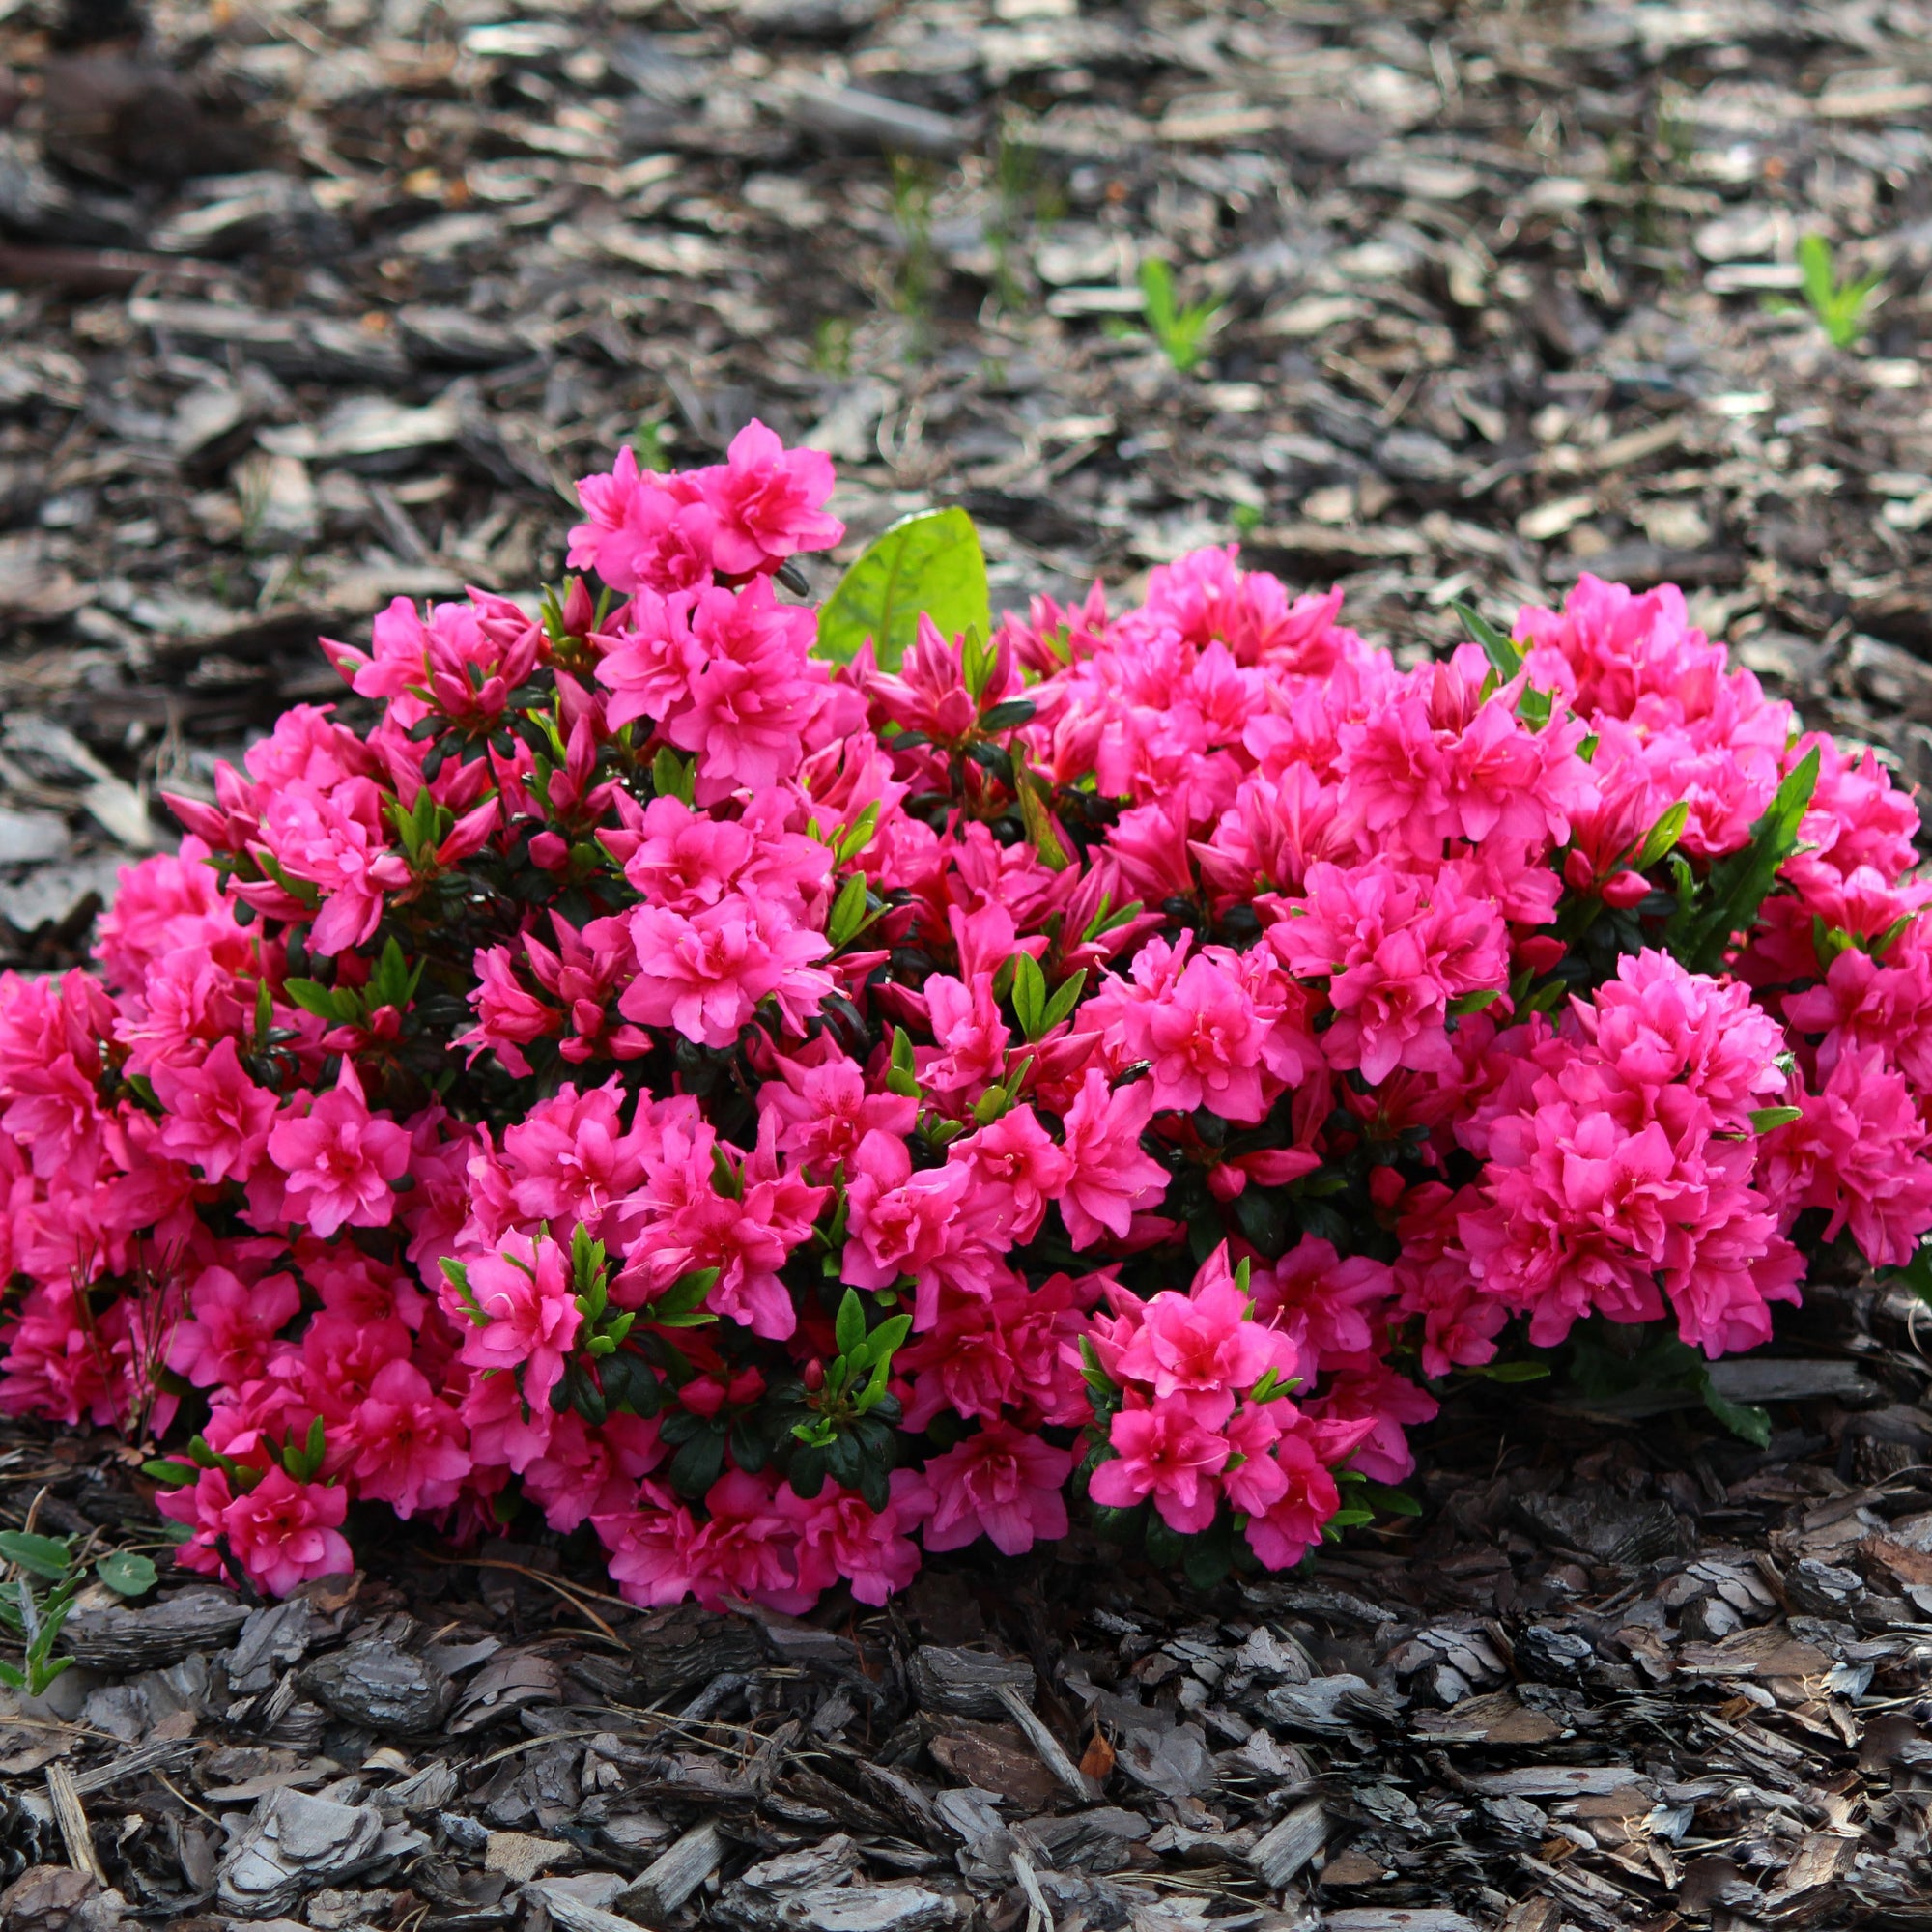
(676, 1874)
(120, 1639)
(388, 1691)
(966, 1683)
(850, 114)
(71, 1815)
(1288, 1845)
(1052, 1753)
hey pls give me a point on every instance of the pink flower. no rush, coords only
(1162, 1451)
(570, 1159)
(1254, 1480)
(769, 501)
(228, 1337)
(1111, 1177)
(706, 976)
(999, 1483)
(338, 1160)
(680, 1220)
(745, 1549)
(1200, 1346)
(1015, 1155)
(508, 1017)
(530, 1311)
(1204, 1041)
(643, 533)
(901, 1222)
(1861, 1152)
(335, 841)
(409, 1447)
(1291, 1526)
(283, 1532)
(1395, 950)
(217, 1119)
(650, 1546)
(649, 665)
(588, 1472)
(749, 702)
(1361, 1419)
(1320, 1300)
(1015, 1351)
(825, 1111)
(841, 1536)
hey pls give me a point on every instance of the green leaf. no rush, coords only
(672, 777)
(1764, 1119)
(749, 1448)
(1814, 264)
(1744, 1419)
(1662, 839)
(1208, 1557)
(681, 1304)
(324, 1002)
(1915, 1274)
(1066, 996)
(170, 1475)
(805, 1471)
(127, 1573)
(848, 911)
(849, 1330)
(1391, 1502)
(1512, 1372)
(876, 1349)
(1880, 946)
(1028, 995)
(1702, 928)
(1004, 717)
(1037, 814)
(698, 1464)
(928, 563)
(40, 1555)
(1496, 645)
(1181, 332)
(629, 1385)
(1474, 1003)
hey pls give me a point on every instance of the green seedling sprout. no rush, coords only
(1841, 307)
(1182, 333)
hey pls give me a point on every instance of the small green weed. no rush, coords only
(831, 346)
(648, 443)
(911, 215)
(1026, 199)
(1181, 332)
(34, 1622)
(1841, 307)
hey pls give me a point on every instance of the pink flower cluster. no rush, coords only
(622, 1071)
(1202, 1423)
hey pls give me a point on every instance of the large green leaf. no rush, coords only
(1707, 920)
(928, 562)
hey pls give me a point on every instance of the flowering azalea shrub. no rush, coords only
(627, 1070)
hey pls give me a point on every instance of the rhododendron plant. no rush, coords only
(778, 1106)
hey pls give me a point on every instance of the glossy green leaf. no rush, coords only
(928, 564)
(1663, 837)
(1496, 645)
(1707, 920)
(1744, 1419)
(127, 1573)
(40, 1555)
